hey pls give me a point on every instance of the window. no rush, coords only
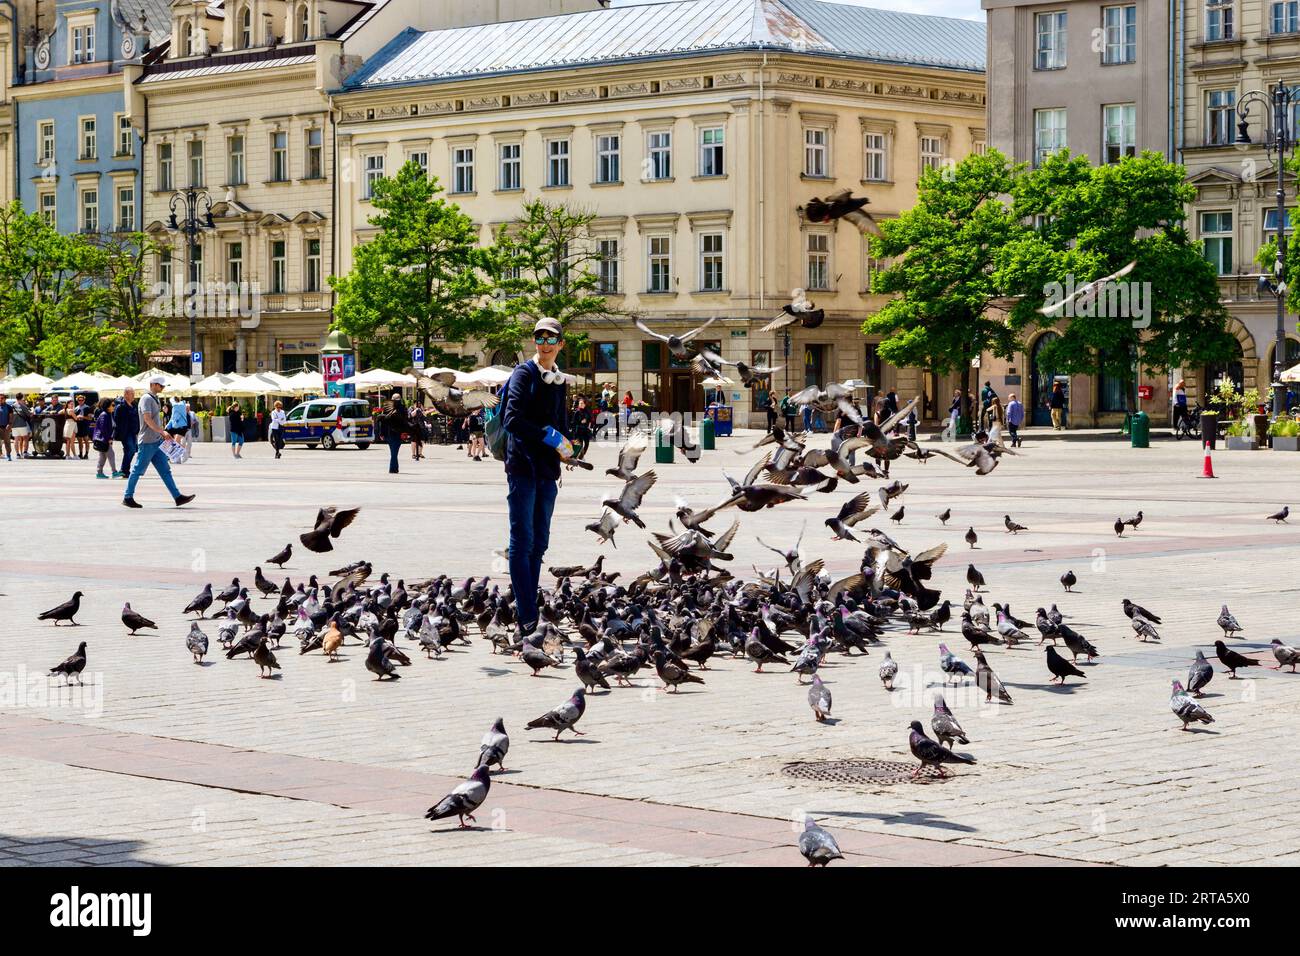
(46, 139)
(83, 44)
(978, 147)
(1050, 50)
(711, 272)
(165, 266)
(49, 208)
(814, 153)
(874, 168)
(608, 252)
(87, 137)
(711, 142)
(314, 168)
(931, 152)
(608, 158)
(1286, 17)
(557, 162)
(659, 155)
(235, 161)
(1270, 224)
(871, 267)
(660, 266)
(1220, 114)
(462, 169)
(311, 255)
(196, 264)
(1216, 240)
(510, 173)
(374, 172)
(819, 260)
(1119, 132)
(126, 208)
(279, 156)
(89, 210)
(1049, 133)
(1120, 27)
(1218, 20)
(245, 28)
(196, 162)
(421, 158)
(165, 180)
(125, 136)
(304, 22)
(279, 265)
(760, 358)
(234, 263)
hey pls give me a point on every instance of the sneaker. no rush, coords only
(118, 474)
(100, 474)
(183, 500)
(131, 503)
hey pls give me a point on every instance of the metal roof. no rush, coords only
(661, 30)
(218, 68)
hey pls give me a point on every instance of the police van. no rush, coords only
(330, 422)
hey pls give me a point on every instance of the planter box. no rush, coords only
(202, 431)
(1282, 443)
(220, 428)
(1240, 443)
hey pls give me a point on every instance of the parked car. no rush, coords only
(330, 422)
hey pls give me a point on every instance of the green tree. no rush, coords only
(1088, 222)
(420, 280)
(941, 255)
(132, 328)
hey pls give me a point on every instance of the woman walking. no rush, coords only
(1056, 402)
(85, 415)
(396, 422)
(277, 422)
(417, 422)
(102, 438)
(476, 431)
(769, 405)
(20, 425)
(236, 415)
(581, 428)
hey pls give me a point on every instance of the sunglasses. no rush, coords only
(546, 338)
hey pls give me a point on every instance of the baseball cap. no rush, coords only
(548, 325)
(158, 380)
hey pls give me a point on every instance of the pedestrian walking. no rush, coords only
(788, 411)
(1015, 418)
(235, 415)
(1056, 402)
(1180, 403)
(178, 419)
(126, 426)
(769, 405)
(627, 408)
(20, 425)
(417, 423)
(986, 398)
(475, 426)
(102, 439)
(995, 415)
(149, 449)
(277, 427)
(537, 441)
(84, 413)
(581, 424)
(6, 425)
(396, 422)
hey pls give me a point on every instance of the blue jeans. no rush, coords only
(151, 453)
(531, 502)
(394, 446)
(807, 418)
(128, 452)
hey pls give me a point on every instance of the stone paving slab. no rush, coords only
(1070, 774)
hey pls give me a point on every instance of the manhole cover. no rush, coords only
(859, 770)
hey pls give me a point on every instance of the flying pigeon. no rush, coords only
(842, 204)
(629, 499)
(330, 523)
(800, 310)
(1086, 293)
(464, 800)
(676, 343)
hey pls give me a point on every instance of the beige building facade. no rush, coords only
(696, 166)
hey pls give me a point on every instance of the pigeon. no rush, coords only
(280, 559)
(897, 516)
(227, 595)
(988, 681)
(1130, 609)
(951, 664)
(1084, 295)
(1119, 528)
(379, 661)
(1143, 628)
(851, 512)
(332, 639)
(1199, 674)
(944, 724)
(1280, 516)
(135, 621)
(588, 672)
(464, 800)
(1076, 643)
(1232, 660)
(1285, 654)
(537, 659)
(440, 389)
(202, 601)
(1228, 623)
(760, 653)
(842, 204)
(1134, 521)
(64, 612)
(495, 746)
(817, 846)
(973, 577)
(1013, 527)
(1186, 709)
(604, 528)
(971, 537)
(1068, 579)
(1060, 667)
(943, 518)
(930, 753)
(673, 674)
(629, 499)
(628, 457)
(197, 643)
(330, 523)
(888, 671)
(265, 659)
(819, 699)
(676, 343)
(564, 717)
(74, 665)
(264, 585)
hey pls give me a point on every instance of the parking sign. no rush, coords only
(196, 363)
(417, 357)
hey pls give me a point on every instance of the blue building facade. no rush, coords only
(78, 160)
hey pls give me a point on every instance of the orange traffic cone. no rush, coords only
(1207, 471)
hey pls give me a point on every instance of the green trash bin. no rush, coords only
(663, 448)
(707, 442)
(1140, 431)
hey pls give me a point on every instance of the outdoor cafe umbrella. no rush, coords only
(83, 382)
(306, 383)
(492, 375)
(173, 381)
(1292, 374)
(379, 378)
(30, 382)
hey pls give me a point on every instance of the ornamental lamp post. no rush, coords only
(191, 214)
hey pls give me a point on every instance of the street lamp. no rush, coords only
(1279, 141)
(191, 213)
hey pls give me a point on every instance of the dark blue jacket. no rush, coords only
(529, 406)
(126, 421)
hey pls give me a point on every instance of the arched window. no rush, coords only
(304, 22)
(245, 38)
(189, 39)
(1292, 356)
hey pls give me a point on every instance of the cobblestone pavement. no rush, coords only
(161, 761)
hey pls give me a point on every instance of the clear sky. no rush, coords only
(966, 9)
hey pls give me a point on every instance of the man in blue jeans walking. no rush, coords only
(150, 450)
(535, 419)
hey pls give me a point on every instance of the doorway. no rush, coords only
(1041, 378)
(682, 389)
